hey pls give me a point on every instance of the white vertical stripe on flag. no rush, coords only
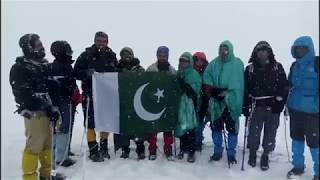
(106, 102)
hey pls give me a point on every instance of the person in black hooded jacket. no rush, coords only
(266, 90)
(31, 86)
(129, 63)
(62, 71)
(97, 58)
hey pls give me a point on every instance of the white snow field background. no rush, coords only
(145, 25)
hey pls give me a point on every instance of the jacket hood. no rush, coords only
(128, 49)
(187, 56)
(229, 45)
(305, 41)
(259, 46)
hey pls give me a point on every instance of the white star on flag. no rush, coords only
(159, 94)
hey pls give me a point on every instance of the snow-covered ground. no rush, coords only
(115, 168)
(183, 26)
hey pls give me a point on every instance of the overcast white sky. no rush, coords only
(145, 25)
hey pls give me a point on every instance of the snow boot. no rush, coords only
(140, 151)
(104, 149)
(95, 156)
(141, 155)
(252, 159)
(67, 162)
(198, 147)
(169, 156)
(264, 162)
(58, 176)
(191, 157)
(216, 157)
(232, 160)
(180, 154)
(295, 172)
(152, 156)
(125, 154)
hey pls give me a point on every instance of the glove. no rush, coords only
(76, 97)
(186, 88)
(26, 113)
(53, 113)
(286, 111)
(190, 92)
(216, 93)
(90, 72)
(246, 112)
(182, 84)
(226, 114)
(204, 106)
(278, 98)
(277, 104)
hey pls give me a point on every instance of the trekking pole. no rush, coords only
(85, 132)
(244, 144)
(225, 143)
(246, 126)
(286, 115)
(174, 144)
(53, 166)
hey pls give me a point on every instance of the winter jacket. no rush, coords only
(229, 75)
(62, 71)
(91, 58)
(269, 80)
(154, 68)
(133, 65)
(187, 115)
(304, 80)
(31, 84)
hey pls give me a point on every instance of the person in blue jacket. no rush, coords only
(303, 105)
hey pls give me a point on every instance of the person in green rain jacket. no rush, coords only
(224, 84)
(190, 83)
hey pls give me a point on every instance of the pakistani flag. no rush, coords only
(135, 104)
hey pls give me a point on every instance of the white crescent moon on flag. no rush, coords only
(140, 110)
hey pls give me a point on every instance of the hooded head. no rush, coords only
(303, 49)
(185, 61)
(32, 46)
(126, 54)
(62, 51)
(226, 51)
(262, 54)
(200, 62)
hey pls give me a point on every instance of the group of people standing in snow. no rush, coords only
(217, 92)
